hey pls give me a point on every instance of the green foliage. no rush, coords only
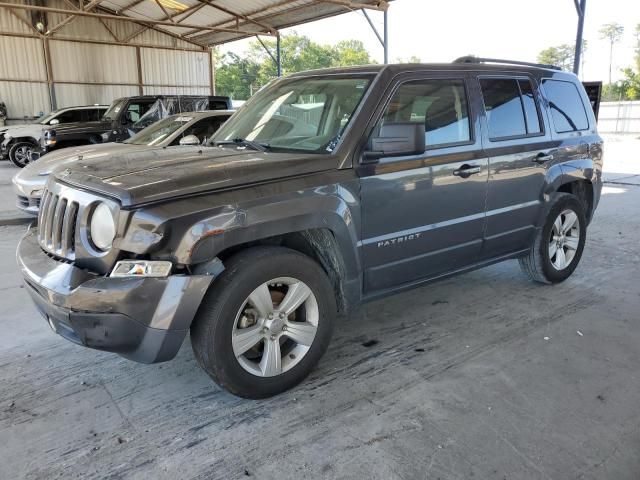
(629, 87)
(562, 56)
(612, 31)
(240, 77)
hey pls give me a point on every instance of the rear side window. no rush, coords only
(439, 105)
(567, 109)
(511, 108)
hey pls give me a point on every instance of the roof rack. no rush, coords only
(472, 59)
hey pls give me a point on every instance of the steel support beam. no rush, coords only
(278, 56)
(384, 38)
(82, 13)
(580, 9)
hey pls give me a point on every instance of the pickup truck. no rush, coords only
(326, 189)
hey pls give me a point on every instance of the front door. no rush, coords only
(423, 215)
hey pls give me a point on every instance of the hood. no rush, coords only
(40, 169)
(97, 126)
(167, 172)
(33, 130)
(11, 127)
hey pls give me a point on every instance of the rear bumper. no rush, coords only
(142, 319)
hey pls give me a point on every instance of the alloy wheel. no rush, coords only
(275, 327)
(564, 239)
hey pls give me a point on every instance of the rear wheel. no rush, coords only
(20, 153)
(265, 322)
(558, 245)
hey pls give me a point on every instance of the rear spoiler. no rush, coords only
(594, 92)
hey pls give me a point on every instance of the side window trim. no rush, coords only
(534, 87)
(465, 85)
(548, 101)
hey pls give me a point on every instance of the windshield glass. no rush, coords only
(158, 132)
(300, 114)
(113, 110)
(46, 117)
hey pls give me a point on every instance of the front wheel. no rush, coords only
(20, 153)
(558, 246)
(265, 322)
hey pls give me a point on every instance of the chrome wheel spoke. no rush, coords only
(561, 259)
(302, 333)
(557, 225)
(571, 243)
(553, 248)
(570, 220)
(260, 298)
(271, 362)
(245, 338)
(296, 296)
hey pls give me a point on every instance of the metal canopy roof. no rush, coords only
(209, 22)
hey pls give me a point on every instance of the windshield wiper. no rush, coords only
(243, 142)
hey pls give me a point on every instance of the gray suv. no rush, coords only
(326, 189)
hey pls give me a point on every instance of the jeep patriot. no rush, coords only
(326, 189)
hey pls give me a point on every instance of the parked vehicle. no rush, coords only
(18, 141)
(189, 128)
(413, 173)
(126, 117)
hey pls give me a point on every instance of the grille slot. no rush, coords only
(57, 225)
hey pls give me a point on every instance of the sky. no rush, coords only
(440, 31)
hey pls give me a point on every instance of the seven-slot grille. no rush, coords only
(57, 224)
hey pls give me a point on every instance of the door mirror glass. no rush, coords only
(395, 140)
(190, 140)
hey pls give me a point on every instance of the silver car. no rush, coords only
(191, 128)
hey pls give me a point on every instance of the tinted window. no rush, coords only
(439, 105)
(96, 114)
(505, 116)
(70, 116)
(530, 107)
(566, 106)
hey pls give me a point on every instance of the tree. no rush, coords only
(561, 56)
(350, 52)
(239, 77)
(613, 32)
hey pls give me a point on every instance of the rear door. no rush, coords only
(423, 215)
(517, 142)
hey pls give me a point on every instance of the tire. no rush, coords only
(227, 311)
(20, 153)
(541, 263)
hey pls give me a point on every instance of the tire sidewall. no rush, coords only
(12, 150)
(227, 299)
(563, 202)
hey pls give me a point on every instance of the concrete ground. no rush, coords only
(485, 376)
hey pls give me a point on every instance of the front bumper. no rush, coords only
(143, 319)
(28, 193)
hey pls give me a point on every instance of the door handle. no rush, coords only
(542, 158)
(465, 171)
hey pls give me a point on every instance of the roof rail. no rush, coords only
(472, 59)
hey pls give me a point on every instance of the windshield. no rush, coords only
(301, 114)
(46, 117)
(114, 109)
(158, 132)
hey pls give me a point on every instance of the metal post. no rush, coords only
(578, 52)
(386, 38)
(278, 56)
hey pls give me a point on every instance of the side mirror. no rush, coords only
(396, 140)
(55, 121)
(126, 118)
(189, 140)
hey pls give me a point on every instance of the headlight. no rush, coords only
(50, 138)
(102, 227)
